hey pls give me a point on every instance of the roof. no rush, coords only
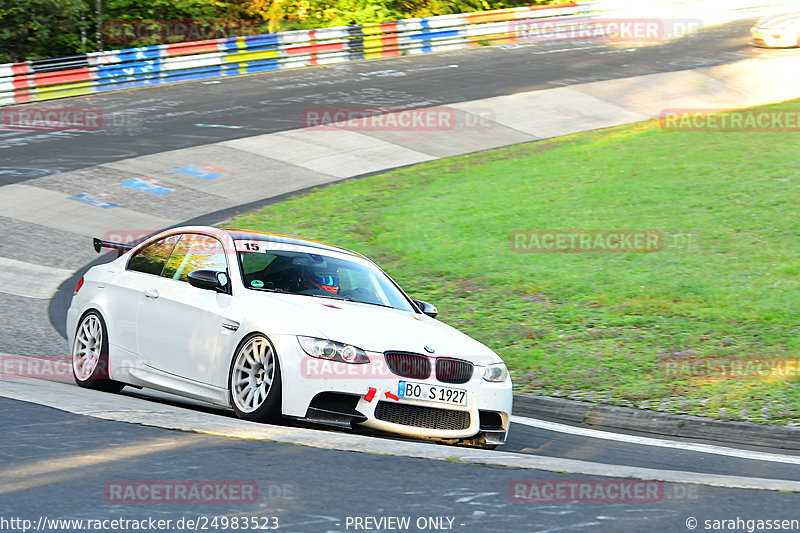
(242, 234)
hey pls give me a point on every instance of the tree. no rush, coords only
(37, 29)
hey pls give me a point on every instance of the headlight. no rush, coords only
(495, 373)
(332, 351)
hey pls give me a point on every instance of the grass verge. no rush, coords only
(708, 325)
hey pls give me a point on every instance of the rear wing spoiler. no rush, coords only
(121, 248)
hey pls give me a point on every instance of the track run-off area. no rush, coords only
(224, 147)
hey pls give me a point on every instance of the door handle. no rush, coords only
(151, 293)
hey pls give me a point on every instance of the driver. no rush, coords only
(319, 278)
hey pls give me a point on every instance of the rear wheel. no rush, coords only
(90, 355)
(255, 380)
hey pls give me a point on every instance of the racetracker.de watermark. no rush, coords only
(586, 490)
(316, 368)
(728, 367)
(172, 31)
(421, 119)
(127, 236)
(51, 119)
(378, 367)
(181, 492)
(595, 29)
(54, 368)
(708, 119)
(586, 241)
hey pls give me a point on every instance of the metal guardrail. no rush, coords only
(98, 72)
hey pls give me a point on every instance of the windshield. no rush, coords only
(312, 274)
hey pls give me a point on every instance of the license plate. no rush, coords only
(432, 393)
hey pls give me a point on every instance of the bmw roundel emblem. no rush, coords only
(429, 349)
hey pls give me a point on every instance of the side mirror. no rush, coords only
(209, 280)
(428, 309)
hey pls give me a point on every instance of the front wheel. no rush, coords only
(255, 380)
(90, 355)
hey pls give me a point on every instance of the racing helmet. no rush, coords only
(320, 278)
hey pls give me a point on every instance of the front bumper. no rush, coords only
(374, 392)
(765, 38)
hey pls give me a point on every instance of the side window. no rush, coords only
(195, 252)
(256, 268)
(255, 262)
(152, 257)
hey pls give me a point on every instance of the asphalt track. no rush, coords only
(63, 462)
(156, 119)
(560, 444)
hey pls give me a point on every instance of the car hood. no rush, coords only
(369, 327)
(774, 21)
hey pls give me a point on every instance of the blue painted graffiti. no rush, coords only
(146, 185)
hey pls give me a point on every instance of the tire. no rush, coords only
(254, 380)
(90, 355)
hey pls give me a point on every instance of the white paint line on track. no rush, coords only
(29, 280)
(425, 69)
(661, 443)
(567, 50)
(118, 408)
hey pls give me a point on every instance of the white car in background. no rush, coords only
(777, 31)
(276, 326)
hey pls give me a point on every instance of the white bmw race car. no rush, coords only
(276, 326)
(777, 31)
